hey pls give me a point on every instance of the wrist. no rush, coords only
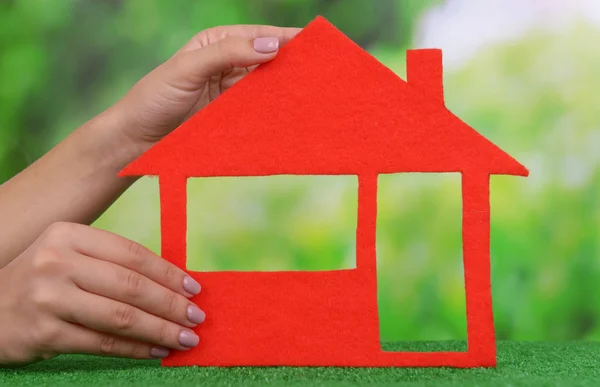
(111, 142)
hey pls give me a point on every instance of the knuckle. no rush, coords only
(125, 318)
(171, 273)
(227, 50)
(44, 297)
(107, 345)
(46, 259)
(135, 248)
(57, 233)
(138, 256)
(137, 253)
(133, 283)
(172, 303)
(203, 37)
(163, 333)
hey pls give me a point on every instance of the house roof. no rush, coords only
(326, 106)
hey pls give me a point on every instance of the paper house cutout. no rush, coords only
(324, 106)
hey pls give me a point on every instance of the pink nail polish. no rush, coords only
(188, 339)
(191, 285)
(159, 353)
(266, 45)
(195, 315)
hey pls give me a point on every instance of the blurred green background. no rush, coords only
(523, 73)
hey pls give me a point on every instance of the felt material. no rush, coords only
(325, 106)
(519, 364)
(424, 69)
(173, 220)
(476, 258)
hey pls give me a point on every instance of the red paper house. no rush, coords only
(324, 106)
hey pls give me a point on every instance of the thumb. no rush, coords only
(194, 67)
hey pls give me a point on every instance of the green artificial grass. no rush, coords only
(519, 364)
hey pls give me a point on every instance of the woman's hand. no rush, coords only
(82, 290)
(209, 64)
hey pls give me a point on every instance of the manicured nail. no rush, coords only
(159, 353)
(266, 45)
(188, 339)
(191, 285)
(195, 315)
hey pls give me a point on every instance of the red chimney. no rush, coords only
(424, 69)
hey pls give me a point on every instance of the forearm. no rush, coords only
(76, 181)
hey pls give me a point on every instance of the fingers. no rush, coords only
(112, 248)
(193, 67)
(80, 340)
(118, 283)
(250, 32)
(284, 34)
(220, 49)
(117, 318)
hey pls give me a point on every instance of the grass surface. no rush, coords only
(519, 364)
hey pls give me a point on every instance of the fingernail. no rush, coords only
(159, 353)
(188, 339)
(191, 285)
(195, 315)
(266, 45)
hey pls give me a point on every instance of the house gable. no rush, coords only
(325, 106)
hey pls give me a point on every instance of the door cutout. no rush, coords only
(420, 273)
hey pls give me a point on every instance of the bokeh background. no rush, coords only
(525, 73)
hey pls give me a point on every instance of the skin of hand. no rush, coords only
(77, 289)
(66, 287)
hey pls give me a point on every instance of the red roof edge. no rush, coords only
(132, 169)
(503, 163)
(149, 163)
(513, 168)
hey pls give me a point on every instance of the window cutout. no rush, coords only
(272, 223)
(421, 293)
